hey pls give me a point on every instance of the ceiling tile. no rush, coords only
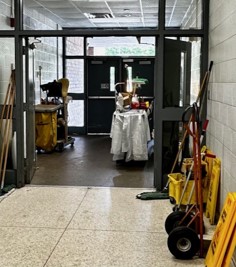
(71, 12)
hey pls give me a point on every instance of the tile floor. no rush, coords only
(55, 226)
(89, 163)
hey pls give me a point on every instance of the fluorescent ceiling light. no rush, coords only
(104, 0)
(123, 19)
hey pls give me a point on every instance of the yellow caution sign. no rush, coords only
(213, 190)
(230, 249)
(222, 235)
(209, 157)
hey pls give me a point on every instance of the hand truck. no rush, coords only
(184, 241)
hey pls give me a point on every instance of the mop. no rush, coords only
(163, 194)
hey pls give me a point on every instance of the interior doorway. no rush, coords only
(100, 76)
(108, 76)
(89, 162)
(166, 26)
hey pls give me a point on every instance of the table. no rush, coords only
(130, 134)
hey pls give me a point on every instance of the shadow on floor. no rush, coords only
(89, 163)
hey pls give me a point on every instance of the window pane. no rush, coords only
(184, 14)
(177, 73)
(129, 87)
(76, 113)
(75, 74)
(182, 78)
(173, 132)
(6, 21)
(121, 46)
(112, 79)
(195, 66)
(7, 59)
(36, 17)
(74, 46)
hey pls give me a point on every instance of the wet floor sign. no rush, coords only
(223, 242)
(213, 190)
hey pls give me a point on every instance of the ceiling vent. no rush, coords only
(98, 15)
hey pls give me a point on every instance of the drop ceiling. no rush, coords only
(110, 13)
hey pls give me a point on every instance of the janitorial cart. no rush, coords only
(51, 117)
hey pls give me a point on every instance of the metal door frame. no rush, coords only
(30, 160)
(166, 114)
(19, 33)
(76, 96)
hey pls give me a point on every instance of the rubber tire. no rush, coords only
(183, 242)
(172, 200)
(173, 219)
(60, 147)
(176, 208)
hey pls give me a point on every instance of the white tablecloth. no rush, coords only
(130, 133)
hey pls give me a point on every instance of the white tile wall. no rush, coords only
(5, 14)
(222, 103)
(222, 12)
(214, 5)
(7, 48)
(6, 59)
(223, 31)
(234, 143)
(231, 117)
(228, 137)
(45, 53)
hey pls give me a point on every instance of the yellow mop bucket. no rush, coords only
(176, 185)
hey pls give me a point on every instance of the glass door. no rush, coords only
(172, 100)
(103, 74)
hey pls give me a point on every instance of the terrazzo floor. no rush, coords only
(63, 226)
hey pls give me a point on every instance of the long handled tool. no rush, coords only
(6, 117)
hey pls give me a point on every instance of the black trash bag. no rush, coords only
(53, 88)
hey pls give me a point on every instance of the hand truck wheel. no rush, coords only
(174, 218)
(183, 242)
(172, 200)
(60, 147)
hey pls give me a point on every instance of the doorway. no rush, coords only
(92, 88)
(164, 29)
(104, 79)
(102, 73)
